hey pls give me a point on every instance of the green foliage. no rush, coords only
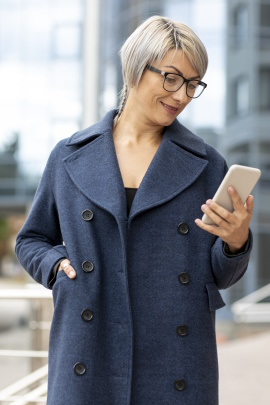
(4, 238)
(4, 230)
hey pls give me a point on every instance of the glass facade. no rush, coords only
(40, 75)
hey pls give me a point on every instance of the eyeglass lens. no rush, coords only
(173, 82)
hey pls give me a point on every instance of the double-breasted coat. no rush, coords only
(137, 324)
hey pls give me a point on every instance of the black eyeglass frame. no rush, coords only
(165, 74)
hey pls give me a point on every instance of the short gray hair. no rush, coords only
(150, 42)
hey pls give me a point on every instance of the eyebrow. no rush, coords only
(180, 73)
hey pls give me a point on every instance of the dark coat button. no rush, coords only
(183, 228)
(182, 330)
(180, 385)
(87, 266)
(183, 278)
(79, 368)
(87, 315)
(87, 215)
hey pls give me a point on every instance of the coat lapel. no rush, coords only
(94, 168)
(176, 165)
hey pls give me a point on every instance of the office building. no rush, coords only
(246, 137)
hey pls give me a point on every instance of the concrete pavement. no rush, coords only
(244, 368)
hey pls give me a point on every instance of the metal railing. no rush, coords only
(32, 388)
(252, 308)
(35, 395)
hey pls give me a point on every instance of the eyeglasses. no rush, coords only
(173, 82)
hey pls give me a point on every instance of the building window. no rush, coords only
(264, 147)
(263, 259)
(240, 93)
(265, 177)
(265, 15)
(264, 96)
(264, 34)
(241, 25)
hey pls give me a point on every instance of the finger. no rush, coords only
(67, 268)
(218, 214)
(214, 230)
(250, 204)
(236, 200)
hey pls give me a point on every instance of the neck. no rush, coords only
(134, 127)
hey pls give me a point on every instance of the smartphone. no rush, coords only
(243, 179)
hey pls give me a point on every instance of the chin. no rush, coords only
(167, 121)
(163, 120)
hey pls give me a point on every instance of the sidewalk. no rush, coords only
(244, 367)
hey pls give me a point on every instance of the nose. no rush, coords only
(181, 94)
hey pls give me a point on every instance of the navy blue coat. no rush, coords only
(137, 324)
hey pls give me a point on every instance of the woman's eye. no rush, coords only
(192, 85)
(170, 80)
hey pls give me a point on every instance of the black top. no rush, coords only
(130, 194)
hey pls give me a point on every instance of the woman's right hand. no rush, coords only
(67, 268)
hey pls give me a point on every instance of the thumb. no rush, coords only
(67, 268)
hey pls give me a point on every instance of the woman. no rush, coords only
(135, 288)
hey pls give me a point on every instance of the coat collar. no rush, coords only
(94, 167)
(176, 132)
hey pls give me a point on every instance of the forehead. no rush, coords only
(179, 60)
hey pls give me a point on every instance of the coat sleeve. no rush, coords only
(228, 268)
(39, 244)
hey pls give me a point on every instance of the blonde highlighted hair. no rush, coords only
(150, 42)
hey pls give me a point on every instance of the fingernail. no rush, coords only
(197, 221)
(231, 189)
(204, 207)
(71, 273)
(209, 202)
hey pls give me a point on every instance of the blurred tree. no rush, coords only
(12, 146)
(8, 159)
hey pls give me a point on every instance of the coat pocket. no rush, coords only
(60, 274)
(215, 299)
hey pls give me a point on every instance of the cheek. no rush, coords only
(153, 95)
(146, 97)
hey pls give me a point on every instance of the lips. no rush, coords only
(169, 108)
